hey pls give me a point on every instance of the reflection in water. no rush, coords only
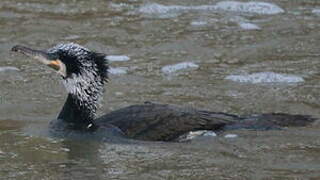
(83, 161)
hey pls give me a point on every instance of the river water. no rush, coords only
(233, 57)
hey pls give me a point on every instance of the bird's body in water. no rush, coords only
(85, 74)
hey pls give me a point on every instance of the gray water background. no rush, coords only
(286, 43)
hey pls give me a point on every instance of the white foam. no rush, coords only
(72, 37)
(210, 133)
(8, 68)
(231, 136)
(117, 58)
(118, 71)
(198, 23)
(265, 77)
(316, 11)
(250, 7)
(235, 6)
(118, 93)
(249, 26)
(65, 149)
(178, 67)
(154, 8)
(194, 134)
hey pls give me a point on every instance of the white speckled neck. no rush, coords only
(87, 88)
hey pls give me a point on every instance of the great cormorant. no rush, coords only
(84, 75)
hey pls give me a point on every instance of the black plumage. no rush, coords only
(85, 74)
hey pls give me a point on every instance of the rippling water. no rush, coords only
(235, 57)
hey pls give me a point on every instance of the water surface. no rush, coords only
(272, 47)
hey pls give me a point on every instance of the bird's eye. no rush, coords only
(53, 56)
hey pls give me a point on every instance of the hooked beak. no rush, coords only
(43, 57)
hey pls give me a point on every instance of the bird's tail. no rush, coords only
(270, 121)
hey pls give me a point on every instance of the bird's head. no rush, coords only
(69, 59)
(84, 72)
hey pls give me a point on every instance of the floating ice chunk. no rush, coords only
(265, 77)
(316, 11)
(235, 6)
(114, 58)
(8, 68)
(250, 7)
(180, 66)
(231, 136)
(249, 26)
(118, 71)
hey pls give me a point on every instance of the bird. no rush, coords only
(84, 74)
